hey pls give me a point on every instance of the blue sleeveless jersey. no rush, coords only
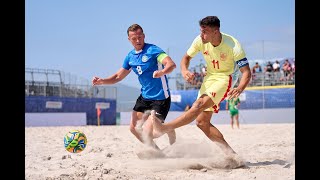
(144, 63)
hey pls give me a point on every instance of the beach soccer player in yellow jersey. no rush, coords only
(223, 54)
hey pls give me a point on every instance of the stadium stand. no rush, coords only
(262, 78)
(47, 85)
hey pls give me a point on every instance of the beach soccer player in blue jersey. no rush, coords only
(151, 64)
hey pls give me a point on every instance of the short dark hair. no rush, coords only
(134, 27)
(211, 21)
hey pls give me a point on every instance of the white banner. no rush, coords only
(102, 105)
(175, 98)
(54, 104)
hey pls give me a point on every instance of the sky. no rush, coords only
(89, 38)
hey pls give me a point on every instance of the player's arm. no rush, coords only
(118, 76)
(194, 49)
(184, 65)
(243, 64)
(168, 63)
(244, 81)
(245, 78)
(227, 105)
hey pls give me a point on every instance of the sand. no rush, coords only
(267, 151)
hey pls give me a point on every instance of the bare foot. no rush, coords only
(148, 140)
(158, 128)
(234, 161)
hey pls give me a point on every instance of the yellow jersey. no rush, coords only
(220, 60)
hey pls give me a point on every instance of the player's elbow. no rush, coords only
(171, 67)
(117, 79)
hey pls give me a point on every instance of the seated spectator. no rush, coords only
(293, 66)
(256, 68)
(269, 67)
(286, 68)
(293, 70)
(276, 66)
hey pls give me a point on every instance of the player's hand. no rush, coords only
(188, 76)
(157, 74)
(234, 93)
(96, 81)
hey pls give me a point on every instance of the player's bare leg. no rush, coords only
(136, 123)
(141, 129)
(147, 134)
(237, 120)
(203, 122)
(172, 136)
(171, 133)
(231, 121)
(134, 131)
(187, 117)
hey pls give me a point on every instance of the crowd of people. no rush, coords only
(198, 76)
(278, 72)
(284, 71)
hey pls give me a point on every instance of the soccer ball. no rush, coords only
(75, 141)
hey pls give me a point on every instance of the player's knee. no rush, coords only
(197, 106)
(202, 124)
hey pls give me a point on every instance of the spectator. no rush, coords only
(293, 66)
(276, 66)
(286, 68)
(269, 67)
(256, 68)
(293, 70)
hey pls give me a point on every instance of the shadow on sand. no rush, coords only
(265, 163)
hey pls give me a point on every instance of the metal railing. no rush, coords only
(258, 79)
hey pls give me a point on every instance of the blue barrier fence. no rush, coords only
(250, 99)
(69, 104)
